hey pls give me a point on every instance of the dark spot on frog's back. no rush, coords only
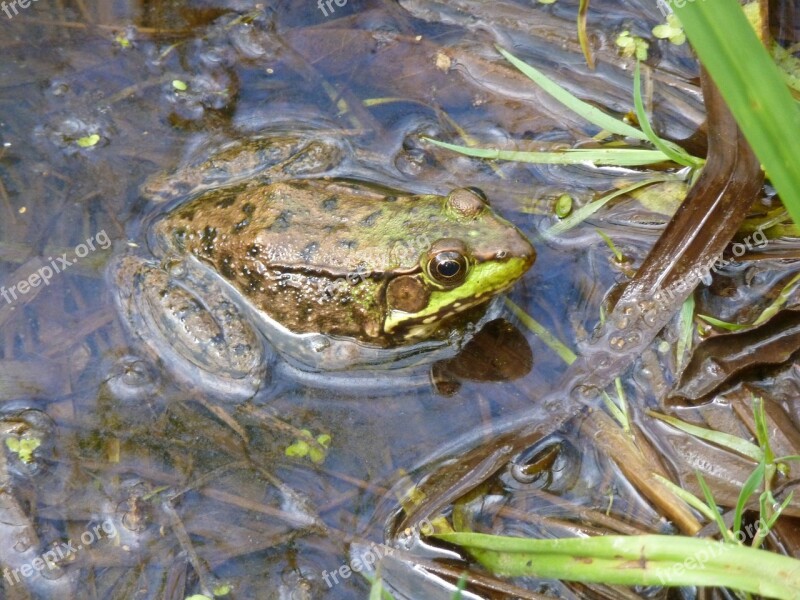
(371, 219)
(226, 202)
(330, 204)
(226, 267)
(207, 240)
(282, 222)
(248, 208)
(348, 244)
(186, 214)
(309, 251)
(254, 282)
(241, 225)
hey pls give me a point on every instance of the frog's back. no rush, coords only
(305, 226)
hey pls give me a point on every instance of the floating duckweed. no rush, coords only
(304, 446)
(563, 206)
(23, 447)
(316, 454)
(222, 590)
(123, 41)
(632, 45)
(179, 85)
(672, 30)
(88, 141)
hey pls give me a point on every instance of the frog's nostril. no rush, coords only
(526, 251)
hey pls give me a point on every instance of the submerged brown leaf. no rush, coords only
(696, 235)
(720, 360)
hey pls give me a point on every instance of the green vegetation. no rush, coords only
(665, 560)
(23, 446)
(666, 150)
(315, 448)
(636, 560)
(756, 91)
(753, 87)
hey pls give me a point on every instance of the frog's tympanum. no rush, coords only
(335, 275)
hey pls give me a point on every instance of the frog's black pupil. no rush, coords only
(448, 268)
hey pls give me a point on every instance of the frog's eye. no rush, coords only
(479, 193)
(448, 268)
(467, 202)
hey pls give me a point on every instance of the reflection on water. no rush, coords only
(100, 106)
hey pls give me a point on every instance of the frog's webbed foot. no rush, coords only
(189, 321)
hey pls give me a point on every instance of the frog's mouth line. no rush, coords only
(421, 327)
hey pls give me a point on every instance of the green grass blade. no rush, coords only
(762, 429)
(623, 404)
(752, 86)
(614, 409)
(725, 440)
(675, 154)
(610, 243)
(779, 511)
(587, 111)
(587, 210)
(687, 497)
(583, 36)
(770, 311)
(777, 305)
(788, 457)
(620, 157)
(748, 489)
(556, 345)
(461, 585)
(723, 324)
(637, 560)
(723, 529)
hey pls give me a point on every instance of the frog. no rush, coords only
(328, 282)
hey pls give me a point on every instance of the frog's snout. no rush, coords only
(520, 247)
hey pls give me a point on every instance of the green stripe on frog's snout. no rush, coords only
(482, 283)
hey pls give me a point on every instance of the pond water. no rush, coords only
(166, 489)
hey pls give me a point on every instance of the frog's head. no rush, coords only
(465, 260)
